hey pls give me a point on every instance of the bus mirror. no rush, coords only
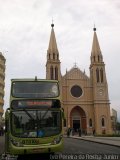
(7, 110)
(6, 119)
(6, 124)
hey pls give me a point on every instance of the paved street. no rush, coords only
(84, 147)
(73, 146)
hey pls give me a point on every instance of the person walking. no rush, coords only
(0, 131)
(68, 132)
(93, 132)
(79, 132)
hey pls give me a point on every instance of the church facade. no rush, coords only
(85, 99)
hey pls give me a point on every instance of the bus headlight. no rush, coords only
(57, 140)
(16, 143)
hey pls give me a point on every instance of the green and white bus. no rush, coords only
(35, 117)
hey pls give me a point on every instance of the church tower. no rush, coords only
(53, 62)
(102, 122)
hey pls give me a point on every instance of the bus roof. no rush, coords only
(33, 79)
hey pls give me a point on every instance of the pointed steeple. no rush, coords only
(96, 54)
(52, 48)
(99, 86)
(53, 62)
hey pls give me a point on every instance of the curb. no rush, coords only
(90, 140)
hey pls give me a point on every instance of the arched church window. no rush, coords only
(56, 73)
(91, 75)
(57, 56)
(98, 58)
(90, 122)
(103, 122)
(94, 58)
(51, 72)
(53, 55)
(97, 75)
(49, 55)
(101, 75)
(101, 58)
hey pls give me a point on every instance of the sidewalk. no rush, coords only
(114, 141)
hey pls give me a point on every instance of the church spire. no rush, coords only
(96, 54)
(52, 48)
(53, 62)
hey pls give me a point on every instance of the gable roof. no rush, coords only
(75, 73)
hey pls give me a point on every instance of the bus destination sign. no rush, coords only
(31, 104)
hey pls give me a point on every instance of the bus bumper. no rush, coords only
(14, 150)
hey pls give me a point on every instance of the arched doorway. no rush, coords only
(78, 119)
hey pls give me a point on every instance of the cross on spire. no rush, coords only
(52, 25)
(75, 65)
(94, 29)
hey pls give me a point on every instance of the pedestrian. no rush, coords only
(79, 131)
(73, 131)
(68, 132)
(94, 132)
(85, 132)
(2, 131)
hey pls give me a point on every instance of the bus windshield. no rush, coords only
(35, 89)
(36, 123)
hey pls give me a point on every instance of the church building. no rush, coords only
(85, 99)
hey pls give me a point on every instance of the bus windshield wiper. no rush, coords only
(29, 115)
(44, 114)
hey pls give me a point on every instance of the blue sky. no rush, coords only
(25, 32)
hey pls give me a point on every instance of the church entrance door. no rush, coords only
(76, 125)
(78, 119)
